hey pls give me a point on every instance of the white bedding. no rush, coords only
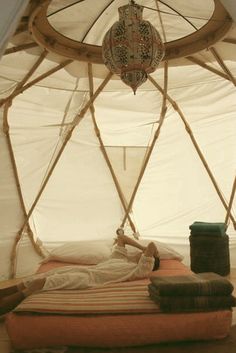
(94, 252)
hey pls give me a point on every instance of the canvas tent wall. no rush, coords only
(79, 200)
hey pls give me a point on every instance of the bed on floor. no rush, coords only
(117, 315)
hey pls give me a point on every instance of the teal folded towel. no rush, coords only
(203, 228)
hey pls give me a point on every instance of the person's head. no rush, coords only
(120, 231)
(156, 263)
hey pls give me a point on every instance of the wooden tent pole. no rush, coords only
(46, 74)
(161, 21)
(6, 132)
(223, 66)
(36, 80)
(75, 122)
(16, 177)
(188, 129)
(229, 40)
(207, 67)
(20, 47)
(32, 70)
(92, 99)
(103, 149)
(231, 204)
(6, 129)
(156, 135)
(25, 79)
(62, 125)
(29, 231)
(68, 107)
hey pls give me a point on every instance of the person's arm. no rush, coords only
(123, 240)
(151, 250)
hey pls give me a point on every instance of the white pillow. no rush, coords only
(82, 252)
(165, 252)
(93, 252)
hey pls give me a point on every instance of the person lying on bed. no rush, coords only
(118, 268)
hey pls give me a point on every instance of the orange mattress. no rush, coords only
(29, 330)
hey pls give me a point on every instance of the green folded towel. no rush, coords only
(208, 283)
(191, 303)
(200, 228)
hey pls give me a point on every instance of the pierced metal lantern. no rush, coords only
(132, 47)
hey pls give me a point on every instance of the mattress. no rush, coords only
(123, 316)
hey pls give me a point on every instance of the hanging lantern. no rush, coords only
(132, 47)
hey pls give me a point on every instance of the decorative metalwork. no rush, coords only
(132, 47)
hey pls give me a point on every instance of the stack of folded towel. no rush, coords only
(209, 248)
(208, 229)
(196, 292)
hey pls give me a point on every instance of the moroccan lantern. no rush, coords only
(132, 47)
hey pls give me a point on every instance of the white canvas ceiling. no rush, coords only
(80, 200)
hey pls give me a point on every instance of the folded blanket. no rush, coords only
(191, 303)
(202, 228)
(203, 233)
(208, 283)
(208, 235)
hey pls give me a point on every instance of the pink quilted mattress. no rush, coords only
(120, 316)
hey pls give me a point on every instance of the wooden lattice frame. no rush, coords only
(46, 36)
